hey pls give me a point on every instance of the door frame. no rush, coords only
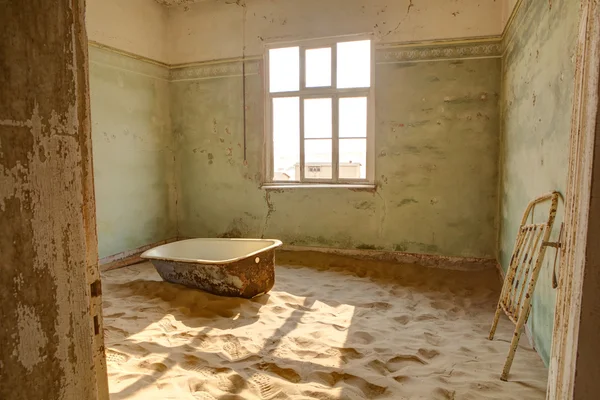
(571, 371)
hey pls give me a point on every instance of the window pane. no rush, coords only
(317, 118)
(284, 69)
(353, 159)
(354, 64)
(317, 156)
(286, 138)
(353, 117)
(318, 67)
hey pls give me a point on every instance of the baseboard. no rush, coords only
(528, 332)
(500, 272)
(131, 257)
(128, 257)
(426, 260)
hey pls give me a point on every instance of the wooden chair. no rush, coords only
(525, 264)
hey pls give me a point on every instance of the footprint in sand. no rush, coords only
(204, 376)
(312, 354)
(166, 325)
(362, 337)
(203, 396)
(311, 394)
(264, 386)
(399, 362)
(232, 384)
(426, 317)
(316, 334)
(278, 310)
(402, 379)
(135, 350)
(378, 367)
(288, 374)
(428, 353)
(299, 307)
(486, 386)
(370, 390)
(184, 335)
(235, 350)
(116, 357)
(432, 338)
(288, 299)
(113, 334)
(193, 363)
(158, 366)
(378, 305)
(441, 393)
(322, 377)
(402, 320)
(348, 353)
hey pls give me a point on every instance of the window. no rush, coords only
(320, 112)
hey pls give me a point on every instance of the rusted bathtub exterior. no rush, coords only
(248, 276)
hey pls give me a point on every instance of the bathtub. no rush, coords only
(226, 267)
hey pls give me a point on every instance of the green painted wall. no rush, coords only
(133, 152)
(437, 140)
(169, 151)
(537, 89)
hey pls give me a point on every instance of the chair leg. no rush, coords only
(495, 323)
(513, 349)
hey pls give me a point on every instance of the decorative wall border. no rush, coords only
(113, 58)
(216, 69)
(440, 50)
(437, 50)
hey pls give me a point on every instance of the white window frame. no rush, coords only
(320, 92)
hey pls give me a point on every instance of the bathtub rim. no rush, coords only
(275, 243)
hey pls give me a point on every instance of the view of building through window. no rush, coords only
(322, 114)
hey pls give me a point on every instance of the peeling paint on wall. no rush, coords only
(47, 235)
(137, 26)
(436, 141)
(245, 30)
(537, 90)
(133, 152)
(31, 338)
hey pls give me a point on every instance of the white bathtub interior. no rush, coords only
(211, 250)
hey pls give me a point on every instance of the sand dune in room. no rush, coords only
(329, 331)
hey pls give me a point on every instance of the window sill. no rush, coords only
(352, 186)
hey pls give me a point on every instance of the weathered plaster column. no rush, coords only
(48, 249)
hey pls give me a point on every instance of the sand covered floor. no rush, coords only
(328, 331)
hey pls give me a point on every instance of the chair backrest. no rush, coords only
(527, 258)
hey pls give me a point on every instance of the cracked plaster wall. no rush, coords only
(131, 131)
(436, 130)
(221, 29)
(426, 149)
(436, 150)
(536, 102)
(47, 227)
(135, 26)
(133, 152)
